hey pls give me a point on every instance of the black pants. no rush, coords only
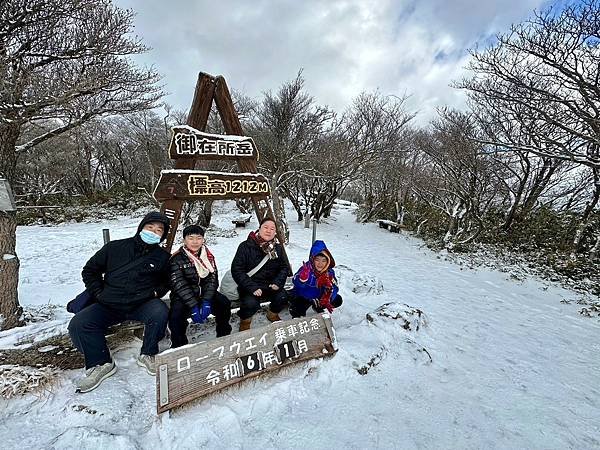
(299, 305)
(88, 329)
(250, 303)
(220, 307)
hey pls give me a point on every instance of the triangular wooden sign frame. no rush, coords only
(208, 89)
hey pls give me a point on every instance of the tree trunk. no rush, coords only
(540, 182)
(595, 249)
(278, 209)
(205, 214)
(584, 220)
(244, 205)
(297, 207)
(10, 311)
(512, 213)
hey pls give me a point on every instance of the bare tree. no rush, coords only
(62, 63)
(287, 126)
(537, 92)
(459, 181)
(544, 73)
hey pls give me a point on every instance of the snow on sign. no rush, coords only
(189, 143)
(7, 201)
(186, 373)
(206, 185)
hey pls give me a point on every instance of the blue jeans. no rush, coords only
(88, 329)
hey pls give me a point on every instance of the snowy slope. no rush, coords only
(511, 367)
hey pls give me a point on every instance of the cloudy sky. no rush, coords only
(344, 46)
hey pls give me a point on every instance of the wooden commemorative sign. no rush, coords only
(207, 185)
(189, 143)
(186, 373)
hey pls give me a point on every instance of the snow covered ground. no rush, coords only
(511, 366)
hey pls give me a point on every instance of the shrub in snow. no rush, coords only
(20, 380)
(408, 317)
(366, 284)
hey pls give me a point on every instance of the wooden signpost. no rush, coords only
(192, 371)
(205, 185)
(186, 373)
(190, 144)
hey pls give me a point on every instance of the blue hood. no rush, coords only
(320, 247)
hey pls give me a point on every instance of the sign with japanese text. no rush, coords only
(186, 373)
(189, 143)
(206, 185)
(7, 201)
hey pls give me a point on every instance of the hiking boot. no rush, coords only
(148, 363)
(94, 376)
(273, 317)
(245, 324)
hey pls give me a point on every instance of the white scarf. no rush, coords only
(203, 265)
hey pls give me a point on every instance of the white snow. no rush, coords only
(8, 257)
(211, 172)
(226, 137)
(495, 362)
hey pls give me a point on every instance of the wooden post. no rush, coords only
(197, 118)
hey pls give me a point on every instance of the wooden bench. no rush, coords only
(241, 221)
(137, 328)
(389, 225)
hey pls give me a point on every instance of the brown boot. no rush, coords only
(272, 317)
(245, 324)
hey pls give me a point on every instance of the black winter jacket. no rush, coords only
(184, 281)
(247, 257)
(129, 289)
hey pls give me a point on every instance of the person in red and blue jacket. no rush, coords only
(315, 283)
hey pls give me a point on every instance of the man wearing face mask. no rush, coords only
(127, 278)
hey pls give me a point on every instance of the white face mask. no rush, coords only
(149, 237)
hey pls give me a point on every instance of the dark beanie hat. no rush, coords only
(193, 229)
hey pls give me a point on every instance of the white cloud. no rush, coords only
(344, 47)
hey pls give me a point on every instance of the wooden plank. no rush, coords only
(207, 185)
(189, 143)
(197, 118)
(196, 370)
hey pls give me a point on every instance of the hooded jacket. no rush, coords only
(310, 284)
(142, 282)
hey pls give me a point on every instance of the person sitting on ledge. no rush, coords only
(194, 282)
(127, 279)
(268, 282)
